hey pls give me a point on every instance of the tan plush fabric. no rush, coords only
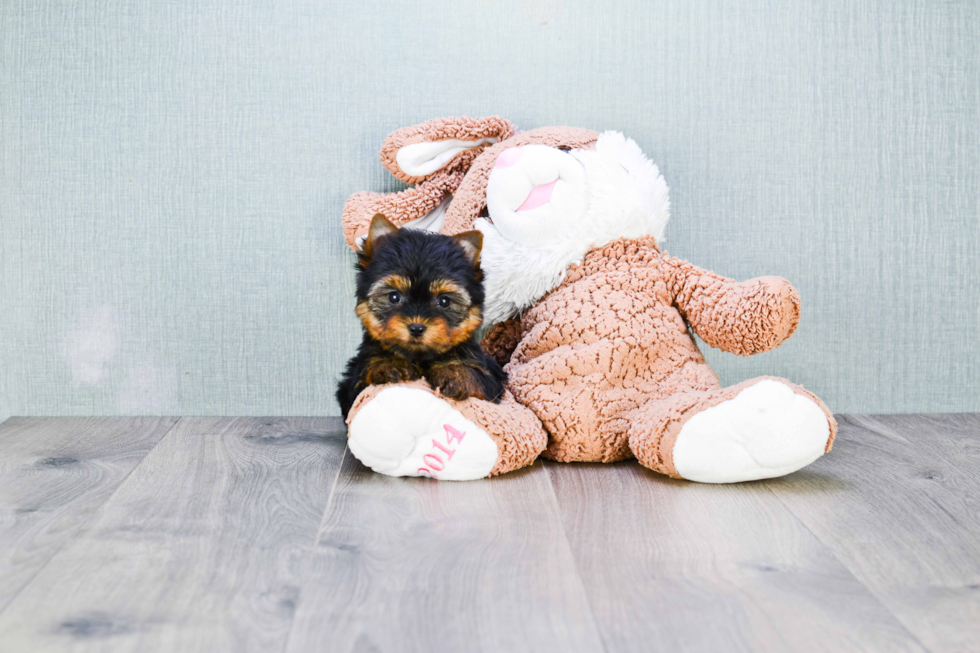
(501, 339)
(612, 339)
(518, 433)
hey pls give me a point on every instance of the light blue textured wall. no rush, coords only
(173, 175)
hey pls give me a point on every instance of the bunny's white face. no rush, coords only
(548, 207)
(536, 194)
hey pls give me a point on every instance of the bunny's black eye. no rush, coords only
(444, 302)
(394, 297)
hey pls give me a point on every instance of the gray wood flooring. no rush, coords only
(252, 534)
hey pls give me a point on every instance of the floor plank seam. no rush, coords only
(571, 554)
(333, 491)
(84, 529)
(843, 564)
(316, 543)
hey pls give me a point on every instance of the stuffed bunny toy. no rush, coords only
(590, 318)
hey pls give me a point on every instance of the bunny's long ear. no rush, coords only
(435, 155)
(417, 153)
(417, 205)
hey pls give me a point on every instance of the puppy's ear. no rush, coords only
(472, 243)
(380, 226)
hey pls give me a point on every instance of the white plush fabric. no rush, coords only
(508, 188)
(611, 192)
(765, 431)
(420, 159)
(404, 430)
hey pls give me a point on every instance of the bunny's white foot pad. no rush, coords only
(411, 432)
(765, 431)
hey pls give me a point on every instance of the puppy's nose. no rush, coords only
(416, 329)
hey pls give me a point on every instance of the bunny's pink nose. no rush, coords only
(509, 157)
(539, 196)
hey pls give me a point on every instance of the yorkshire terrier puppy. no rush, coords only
(420, 301)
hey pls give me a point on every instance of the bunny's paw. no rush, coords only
(411, 432)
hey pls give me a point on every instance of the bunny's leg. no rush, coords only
(762, 428)
(408, 430)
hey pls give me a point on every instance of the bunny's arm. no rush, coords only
(744, 318)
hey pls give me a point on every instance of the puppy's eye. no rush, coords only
(444, 302)
(394, 297)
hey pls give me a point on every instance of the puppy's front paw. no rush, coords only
(391, 370)
(453, 389)
(455, 381)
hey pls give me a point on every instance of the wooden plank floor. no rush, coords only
(252, 534)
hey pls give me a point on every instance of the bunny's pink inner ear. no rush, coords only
(413, 154)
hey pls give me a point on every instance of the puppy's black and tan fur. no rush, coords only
(420, 300)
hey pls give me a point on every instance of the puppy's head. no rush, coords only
(419, 292)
